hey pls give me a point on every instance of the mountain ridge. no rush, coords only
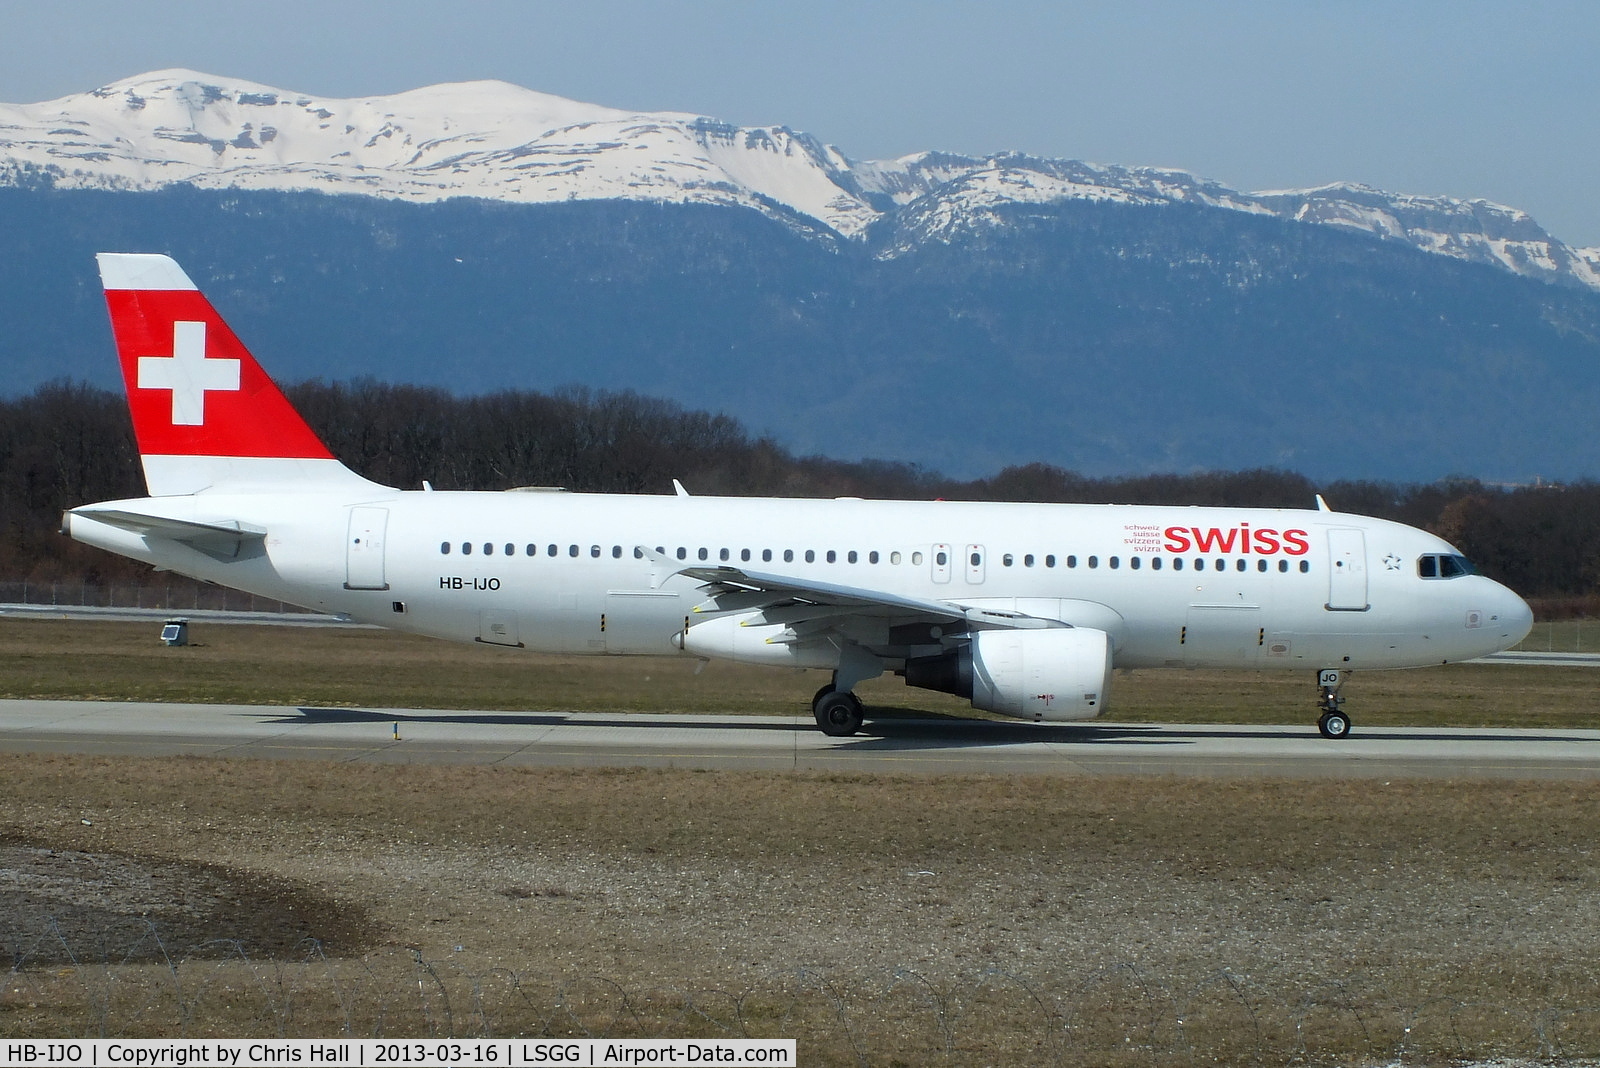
(497, 141)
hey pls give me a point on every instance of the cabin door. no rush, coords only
(363, 559)
(1347, 571)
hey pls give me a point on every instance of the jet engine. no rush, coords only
(1056, 674)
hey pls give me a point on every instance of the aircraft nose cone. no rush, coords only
(1510, 619)
(1516, 619)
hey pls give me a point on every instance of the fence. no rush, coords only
(173, 597)
(1563, 636)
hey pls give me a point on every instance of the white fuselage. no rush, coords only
(596, 573)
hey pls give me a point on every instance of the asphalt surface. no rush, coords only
(922, 747)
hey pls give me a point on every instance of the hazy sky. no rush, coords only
(1462, 97)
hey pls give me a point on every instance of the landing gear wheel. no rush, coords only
(1334, 725)
(838, 713)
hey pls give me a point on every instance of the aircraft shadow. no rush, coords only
(893, 728)
(902, 734)
(900, 728)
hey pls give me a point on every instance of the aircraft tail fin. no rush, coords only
(205, 415)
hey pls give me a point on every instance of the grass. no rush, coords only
(1563, 636)
(880, 919)
(356, 667)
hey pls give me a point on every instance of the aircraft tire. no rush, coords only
(1334, 725)
(838, 714)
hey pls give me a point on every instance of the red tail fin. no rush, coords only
(205, 414)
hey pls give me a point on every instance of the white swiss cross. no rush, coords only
(188, 374)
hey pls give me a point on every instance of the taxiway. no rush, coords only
(920, 746)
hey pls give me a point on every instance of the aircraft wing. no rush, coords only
(793, 601)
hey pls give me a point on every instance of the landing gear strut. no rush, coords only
(1334, 723)
(838, 712)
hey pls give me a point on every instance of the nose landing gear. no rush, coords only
(1333, 723)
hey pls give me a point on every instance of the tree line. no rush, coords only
(67, 444)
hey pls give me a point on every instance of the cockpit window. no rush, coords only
(1444, 566)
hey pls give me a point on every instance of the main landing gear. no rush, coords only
(838, 711)
(1334, 723)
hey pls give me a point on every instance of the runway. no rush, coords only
(762, 743)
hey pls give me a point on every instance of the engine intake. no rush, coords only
(1055, 674)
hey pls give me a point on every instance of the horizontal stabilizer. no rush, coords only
(224, 540)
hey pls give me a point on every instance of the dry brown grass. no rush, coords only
(882, 920)
(375, 668)
(982, 920)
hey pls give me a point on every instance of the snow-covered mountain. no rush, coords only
(501, 142)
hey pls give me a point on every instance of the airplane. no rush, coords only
(1022, 609)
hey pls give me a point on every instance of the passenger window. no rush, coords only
(1177, 563)
(723, 555)
(916, 559)
(1094, 561)
(744, 556)
(1155, 563)
(1222, 565)
(1199, 564)
(511, 550)
(616, 552)
(1050, 560)
(1027, 561)
(683, 554)
(1239, 565)
(466, 548)
(594, 552)
(1133, 562)
(1283, 565)
(638, 553)
(1115, 562)
(1005, 561)
(851, 557)
(572, 551)
(488, 549)
(1261, 565)
(703, 553)
(532, 550)
(444, 548)
(977, 560)
(1072, 561)
(811, 556)
(1305, 567)
(766, 556)
(551, 551)
(832, 556)
(894, 558)
(940, 558)
(788, 556)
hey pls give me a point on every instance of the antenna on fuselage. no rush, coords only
(1322, 505)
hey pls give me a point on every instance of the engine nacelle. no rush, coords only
(743, 638)
(1055, 674)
